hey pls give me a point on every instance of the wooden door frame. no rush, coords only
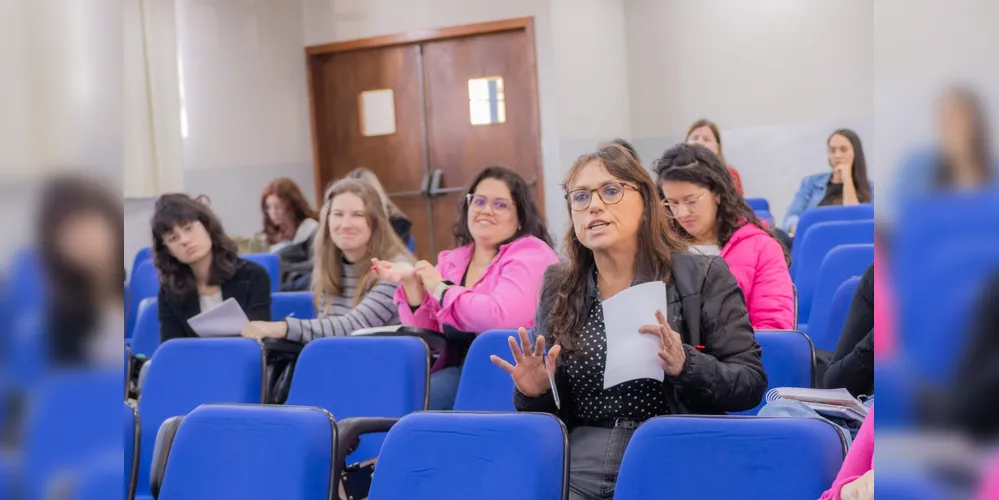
(314, 53)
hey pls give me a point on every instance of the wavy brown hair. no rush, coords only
(288, 192)
(656, 245)
(176, 278)
(697, 164)
(327, 272)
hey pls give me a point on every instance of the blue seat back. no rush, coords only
(363, 377)
(144, 254)
(864, 211)
(827, 336)
(186, 373)
(130, 441)
(896, 394)
(474, 455)
(909, 485)
(411, 244)
(99, 479)
(758, 204)
(65, 429)
(146, 338)
(271, 263)
(788, 359)
(774, 458)
(840, 264)
(819, 241)
(295, 304)
(248, 451)
(483, 385)
(145, 284)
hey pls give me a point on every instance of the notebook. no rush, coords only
(826, 402)
(224, 320)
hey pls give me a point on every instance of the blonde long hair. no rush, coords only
(368, 176)
(327, 271)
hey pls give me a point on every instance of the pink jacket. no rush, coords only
(757, 261)
(505, 297)
(858, 461)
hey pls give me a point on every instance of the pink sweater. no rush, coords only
(757, 261)
(505, 297)
(858, 461)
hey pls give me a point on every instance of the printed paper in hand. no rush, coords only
(224, 320)
(631, 355)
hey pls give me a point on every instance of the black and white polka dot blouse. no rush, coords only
(636, 399)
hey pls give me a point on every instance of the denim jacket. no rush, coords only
(809, 195)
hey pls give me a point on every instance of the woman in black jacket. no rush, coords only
(199, 267)
(852, 365)
(620, 237)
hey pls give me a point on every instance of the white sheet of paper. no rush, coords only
(631, 355)
(224, 320)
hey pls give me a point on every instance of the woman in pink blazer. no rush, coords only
(712, 216)
(491, 281)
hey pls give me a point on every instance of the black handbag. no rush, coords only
(280, 356)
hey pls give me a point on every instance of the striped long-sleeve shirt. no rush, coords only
(338, 316)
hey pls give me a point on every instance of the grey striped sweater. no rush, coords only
(377, 308)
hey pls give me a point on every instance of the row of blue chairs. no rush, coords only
(224, 451)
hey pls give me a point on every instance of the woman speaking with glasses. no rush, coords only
(620, 238)
(491, 281)
(705, 209)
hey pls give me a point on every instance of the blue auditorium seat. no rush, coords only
(758, 204)
(271, 263)
(839, 309)
(146, 338)
(100, 479)
(483, 385)
(765, 216)
(144, 254)
(908, 485)
(839, 265)
(350, 377)
(788, 359)
(863, 211)
(896, 394)
(186, 373)
(474, 455)
(65, 430)
(130, 448)
(814, 246)
(144, 284)
(252, 452)
(296, 304)
(754, 457)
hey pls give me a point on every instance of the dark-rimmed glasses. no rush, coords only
(610, 193)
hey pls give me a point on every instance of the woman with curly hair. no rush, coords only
(288, 218)
(199, 267)
(705, 209)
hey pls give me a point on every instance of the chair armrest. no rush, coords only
(161, 451)
(349, 430)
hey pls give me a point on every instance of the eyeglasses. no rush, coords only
(610, 193)
(478, 203)
(690, 205)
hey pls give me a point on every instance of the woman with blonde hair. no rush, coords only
(400, 224)
(348, 295)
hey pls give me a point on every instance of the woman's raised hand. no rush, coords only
(529, 373)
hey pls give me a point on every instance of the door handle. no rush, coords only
(425, 185)
(435, 183)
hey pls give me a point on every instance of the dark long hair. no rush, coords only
(860, 181)
(289, 193)
(529, 218)
(972, 102)
(72, 308)
(176, 278)
(656, 245)
(696, 164)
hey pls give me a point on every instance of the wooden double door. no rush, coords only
(425, 148)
